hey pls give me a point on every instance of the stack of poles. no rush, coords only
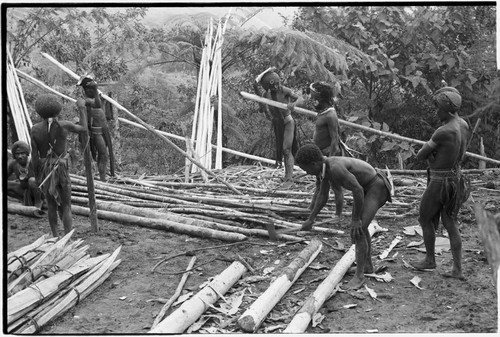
(22, 120)
(209, 85)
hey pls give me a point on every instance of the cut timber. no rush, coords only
(20, 209)
(253, 317)
(162, 224)
(177, 293)
(326, 289)
(192, 309)
(354, 125)
(489, 229)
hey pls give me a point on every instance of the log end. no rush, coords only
(247, 323)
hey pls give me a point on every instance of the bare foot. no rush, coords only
(424, 264)
(355, 283)
(454, 274)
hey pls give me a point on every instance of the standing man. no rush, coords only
(283, 123)
(447, 188)
(50, 160)
(100, 138)
(24, 187)
(370, 190)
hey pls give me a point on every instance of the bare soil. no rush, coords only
(128, 302)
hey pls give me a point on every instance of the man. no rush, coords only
(446, 188)
(326, 133)
(283, 123)
(24, 187)
(49, 156)
(100, 138)
(370, 190)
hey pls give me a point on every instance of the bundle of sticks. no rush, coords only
(50, 276)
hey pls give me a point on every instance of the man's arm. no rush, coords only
(72, 127)
(296, 100)
(35, 158)
(320, 202)
(10, 167)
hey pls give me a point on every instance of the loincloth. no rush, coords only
(380, 175)
(56, 169)
(452, 188)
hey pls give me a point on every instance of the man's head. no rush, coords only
(89, 86)
(269, 79)
(447, 99)
(47, 106)
(20, 151)
(322, 94)
(309, 158)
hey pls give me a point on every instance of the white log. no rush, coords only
(253, 317)
(326, 289)
(192, 309)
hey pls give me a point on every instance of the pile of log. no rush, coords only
(48, 277)
(190, 312)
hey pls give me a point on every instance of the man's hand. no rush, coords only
(291, 106)
(80, 103)
(356, 230)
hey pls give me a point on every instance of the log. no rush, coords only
(253, 317)
(176, 294)
(20, 209)
(142, 212)
(326, 289)
(489, 230)
(192, 309)
(162, 225)
(355, 126)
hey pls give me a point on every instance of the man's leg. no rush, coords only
(67, 219)
(102, 156)
(430, 206)
(278, 127)
(456, 246)
(52, 214)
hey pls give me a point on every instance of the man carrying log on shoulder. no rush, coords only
(283, 123)
(447, 188)
(24, 187)
(370, 188)
(50, 160)
(100, 137)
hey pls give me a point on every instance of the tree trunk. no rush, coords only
(326, 289)
(255, 315)
(192, 309)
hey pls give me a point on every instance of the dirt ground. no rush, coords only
(128, 302)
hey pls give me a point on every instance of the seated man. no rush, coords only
(24, 187)
(370, 190)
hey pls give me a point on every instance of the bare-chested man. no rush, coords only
(100, 138)
(50, 160)
(447, 188)
(283, 123)
(24, 187)
(370, 190)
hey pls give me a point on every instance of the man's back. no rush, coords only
(451, 140)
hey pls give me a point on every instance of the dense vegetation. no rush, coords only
(388, 61)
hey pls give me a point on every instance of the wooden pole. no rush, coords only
(87, 159)
(253, 317)
(176, 294)
(192, 309)
(354, 125)
(326, 289)
(31, 211)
